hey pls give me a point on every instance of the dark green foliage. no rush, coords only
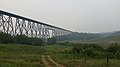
(19, 39)
(35, 41)
(96, 51)
(91, 50)
(52, 40)
(5, 38)
(113, 48)
(114, 51)
(117, 55)
(22, 39)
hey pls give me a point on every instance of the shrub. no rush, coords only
(5, 38)
(19, 39)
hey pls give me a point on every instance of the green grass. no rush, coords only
(30, 56)
(69, 61)
(51, 49)
(58, 53)
(20, 55)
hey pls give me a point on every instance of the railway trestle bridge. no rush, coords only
(16, 25)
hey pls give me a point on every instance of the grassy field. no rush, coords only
(20, 55)
(30, 56)
(58, 53)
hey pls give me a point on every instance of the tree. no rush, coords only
(87, 52)
(5, 38)
(52, 40)
(35, 41)
(113, 48)
(117, 55)
(21, 39)
(107, 54)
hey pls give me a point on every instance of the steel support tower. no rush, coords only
(16, 25)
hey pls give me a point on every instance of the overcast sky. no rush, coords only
(75, 15)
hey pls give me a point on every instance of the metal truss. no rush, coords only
(17, 25)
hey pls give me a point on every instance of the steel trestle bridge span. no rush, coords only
(16, 25)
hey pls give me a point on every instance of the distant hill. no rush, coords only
(80, 36)
(107, 34)
(92, 37)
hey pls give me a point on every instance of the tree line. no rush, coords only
(93, 51)
(97, 52)
(23, 39)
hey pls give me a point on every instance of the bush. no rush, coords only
(91, 50)
(19, 39)
(5, 38)
(96, 51)
(114, 50)
(35, 41)
(52, 40)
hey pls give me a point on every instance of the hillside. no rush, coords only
(80, 36)
(109, 37)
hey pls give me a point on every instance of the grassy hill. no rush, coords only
(80, 36)
(109, 37)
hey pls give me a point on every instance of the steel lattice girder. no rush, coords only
(15, 24)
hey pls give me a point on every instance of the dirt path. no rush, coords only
(45, 61)
(49, 62)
